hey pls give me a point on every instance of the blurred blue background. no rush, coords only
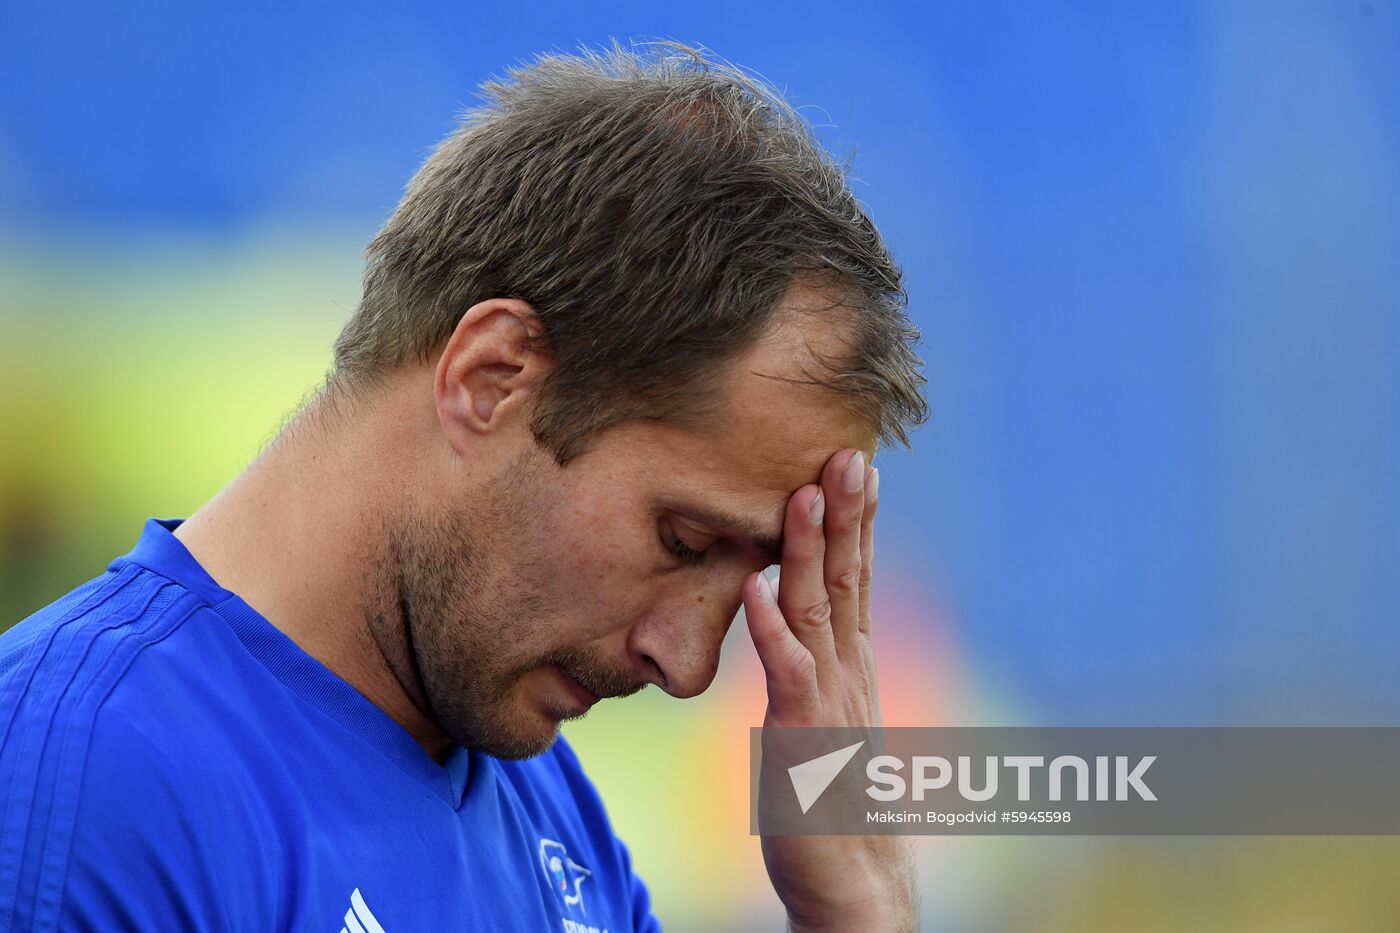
(1154, 251)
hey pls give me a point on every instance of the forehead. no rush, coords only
(773, 429)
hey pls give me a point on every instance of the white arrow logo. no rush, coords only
(811, 778)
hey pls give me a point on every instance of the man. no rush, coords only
(627, 341)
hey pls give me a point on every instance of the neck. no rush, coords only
(299, 536)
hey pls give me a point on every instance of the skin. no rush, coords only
(480, 594)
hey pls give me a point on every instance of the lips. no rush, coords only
(579, 692)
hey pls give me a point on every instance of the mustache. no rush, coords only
(597, 676)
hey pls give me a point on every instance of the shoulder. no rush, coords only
(91, 798)
(88, 637)
(61, 665)
(69, 660)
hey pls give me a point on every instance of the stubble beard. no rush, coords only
(457, 627)
(467, 596)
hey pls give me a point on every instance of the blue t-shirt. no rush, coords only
(169, 760)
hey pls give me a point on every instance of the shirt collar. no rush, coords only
(159, 550)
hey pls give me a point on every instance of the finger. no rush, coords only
(793, 696)
(867, 545)
(843, 483)
(803, 601)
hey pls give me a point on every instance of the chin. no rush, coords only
(520, 724)
(524, 735)
(521, 747)
(521, 752)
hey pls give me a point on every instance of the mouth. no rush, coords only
(577, 692)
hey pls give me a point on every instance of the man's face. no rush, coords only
(553, 587)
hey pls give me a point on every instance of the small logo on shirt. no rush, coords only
(359, 918)
(564, 874)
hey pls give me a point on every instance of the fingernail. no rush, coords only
(817, 508)
(872, 485)
(765, 589)
(854, 476)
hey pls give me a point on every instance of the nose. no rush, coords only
(679, 641)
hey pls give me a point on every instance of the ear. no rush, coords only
(488, 373)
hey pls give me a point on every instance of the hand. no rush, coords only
(813, 637)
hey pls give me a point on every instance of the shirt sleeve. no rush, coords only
(136, 860)
(94, 833)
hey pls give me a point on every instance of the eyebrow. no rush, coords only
(736, 526)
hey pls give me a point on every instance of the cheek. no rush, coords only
(600, 567)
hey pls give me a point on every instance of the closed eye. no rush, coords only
(677, 547)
